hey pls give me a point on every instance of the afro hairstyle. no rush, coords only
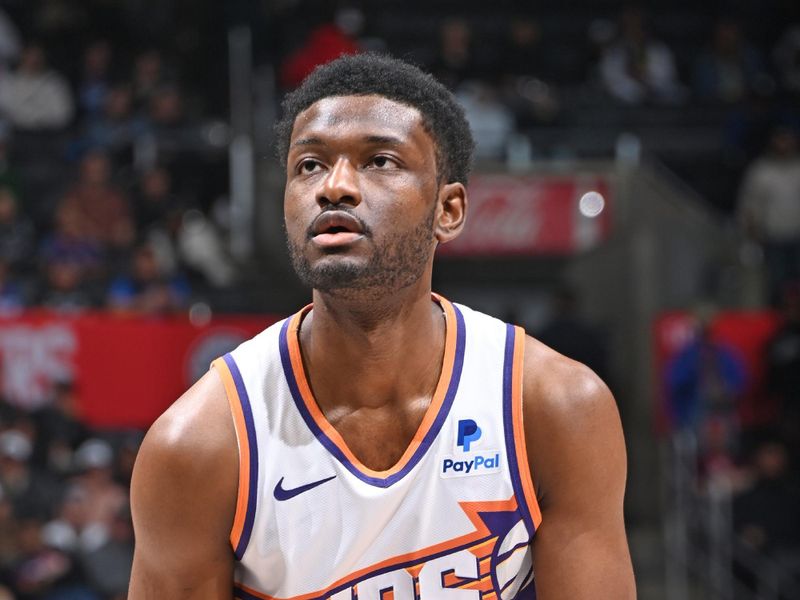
(380, 75)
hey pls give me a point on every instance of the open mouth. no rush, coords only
(335, 228)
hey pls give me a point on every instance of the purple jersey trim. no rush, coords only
(252, 495)
(436, 426)
(508, 424)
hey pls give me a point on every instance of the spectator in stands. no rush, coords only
(765, 515)
(68, 241)
(769, 209)
(8, 175)
(60, 429)
(104, 498)
(457, 58)
(570, 334)
(44, 571)
(115, 128)
(12, 295)
(65, 286)
(730, 68)
(526, 67)
(95, 82)
(638, 69)
(492, 122)
(146, 290)
(108, 568)
(202, 250)
(787, 59)
(705, 382)
(148, 75)
(30, 490)
(10, 44)
(17, 235)
(99, 205)
(34, 97)
(325, 43)
(783, 367)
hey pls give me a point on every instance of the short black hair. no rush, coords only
(380, 75)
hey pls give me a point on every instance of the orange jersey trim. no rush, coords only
(432, 412)
(519, 430)
(244, 450)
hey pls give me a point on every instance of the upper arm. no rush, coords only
(183, 497)
(577, 457)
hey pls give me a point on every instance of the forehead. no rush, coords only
(370, 115)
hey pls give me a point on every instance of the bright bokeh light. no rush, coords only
(591, 204)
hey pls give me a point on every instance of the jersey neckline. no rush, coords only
(435, 415)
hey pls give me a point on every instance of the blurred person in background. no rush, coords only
(705, 382)
(12, 293)
(571, 335)
(637, 69)
(729, 68)
(99, 205)
(108, 567)
(782, 359)
(30, 490)
(114, 128)
(766, 516)
(34, 97)
(9, 176)
(769, 208)
(146, 289)
(43, 571)
(325, 42)
(95, 78)
(60, 429)
(65, 286)
(786, 55)
(149, 74)
(457, 59)
(10, 42)
(527, 72)
(17, 233)
(490, 119)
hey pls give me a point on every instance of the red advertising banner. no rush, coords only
(744, 334)
(126, 370)
(526, 215)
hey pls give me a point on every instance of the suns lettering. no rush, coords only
(401, 585)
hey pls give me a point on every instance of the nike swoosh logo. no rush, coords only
(282, 494)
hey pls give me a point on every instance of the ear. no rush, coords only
(451, 212)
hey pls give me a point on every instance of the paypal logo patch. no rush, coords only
(468, 432)
(468, 460)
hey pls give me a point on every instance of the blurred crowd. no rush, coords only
(65, 525)
(104, 198)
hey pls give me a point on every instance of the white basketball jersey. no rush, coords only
(452, 520)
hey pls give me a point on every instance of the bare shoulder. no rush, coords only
(570, 415)
(196, 429)
(183, 498)
(576, 454)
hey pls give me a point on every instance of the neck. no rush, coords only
(360, 354)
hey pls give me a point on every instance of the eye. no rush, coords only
(309, 165)
(382, 162)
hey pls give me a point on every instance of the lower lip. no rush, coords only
(342, 238)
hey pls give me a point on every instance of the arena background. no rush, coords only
(636, 204)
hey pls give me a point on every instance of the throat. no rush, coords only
(379, 438)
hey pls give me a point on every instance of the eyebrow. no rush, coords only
(369, 139)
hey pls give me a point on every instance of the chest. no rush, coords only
(378, 437)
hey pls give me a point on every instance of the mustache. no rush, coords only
(365, 229)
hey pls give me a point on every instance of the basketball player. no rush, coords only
(382, 443)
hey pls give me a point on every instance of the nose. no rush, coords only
(340, 185)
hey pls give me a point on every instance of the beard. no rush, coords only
(397, 263)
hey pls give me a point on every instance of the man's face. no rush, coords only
(361, 195)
